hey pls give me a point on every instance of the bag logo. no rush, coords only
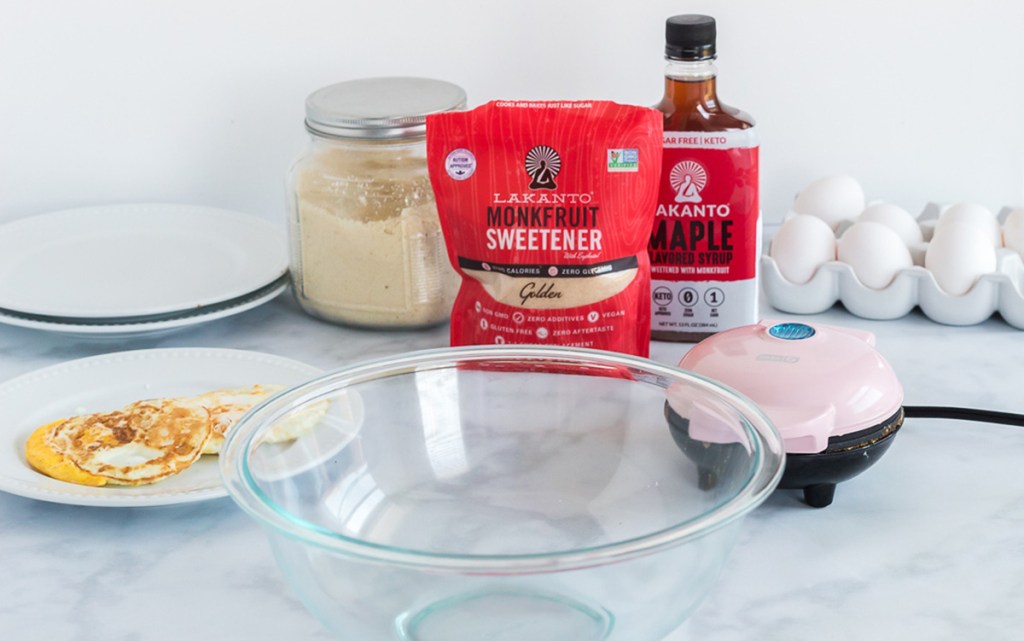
(542, 165)
(624, 160)
(688, 179)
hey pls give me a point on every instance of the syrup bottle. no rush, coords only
(705, 244)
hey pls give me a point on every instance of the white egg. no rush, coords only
(801, 246)
(833, 199)
(895, 218)
(875, 252)
(958, 256)
(1013, 230)
(975, 215)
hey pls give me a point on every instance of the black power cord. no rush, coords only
(963, 414)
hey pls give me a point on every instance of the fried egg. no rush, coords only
(227, 406)
(54, 463)
(142, 443)
(153, 439)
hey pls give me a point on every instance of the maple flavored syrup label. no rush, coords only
(705, 244)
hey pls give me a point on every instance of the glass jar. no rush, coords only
(366, 242)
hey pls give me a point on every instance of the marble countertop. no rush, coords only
(928, 544)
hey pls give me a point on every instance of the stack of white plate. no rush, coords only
(135, 269)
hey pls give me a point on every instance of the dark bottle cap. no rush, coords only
(690, 37)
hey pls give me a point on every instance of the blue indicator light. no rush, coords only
(791, 331)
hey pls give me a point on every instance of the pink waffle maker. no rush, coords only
(833, 397)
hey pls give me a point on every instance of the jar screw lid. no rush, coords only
(389, 108)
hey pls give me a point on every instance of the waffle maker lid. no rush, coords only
(814, 381)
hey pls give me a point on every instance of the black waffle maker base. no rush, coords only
(816, 474)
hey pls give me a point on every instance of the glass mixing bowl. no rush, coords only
(501, 493)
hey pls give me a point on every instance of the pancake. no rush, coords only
(142, 443)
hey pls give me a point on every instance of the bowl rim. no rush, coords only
(767, 449)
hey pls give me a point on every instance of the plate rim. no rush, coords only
(94, 497)
(251, 221)
(111, 330)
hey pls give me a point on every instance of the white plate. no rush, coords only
(111, 381)
(148, 328)
(135, 260)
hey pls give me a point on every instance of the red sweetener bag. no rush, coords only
(547, 209)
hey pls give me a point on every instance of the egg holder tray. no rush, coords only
(834, 282)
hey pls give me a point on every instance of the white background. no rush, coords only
(201, 101)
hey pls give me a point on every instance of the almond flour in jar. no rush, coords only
(366, 242)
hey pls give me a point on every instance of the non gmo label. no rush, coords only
(623, 160)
